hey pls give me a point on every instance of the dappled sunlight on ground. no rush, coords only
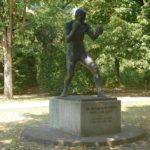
(2, 127)
(12, 115)
(7, 141)
(10, 130)
(25, 97)
(137, 114)
(133, 104)
(14, 120)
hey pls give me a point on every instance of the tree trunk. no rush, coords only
(7, 48)
(117, 72)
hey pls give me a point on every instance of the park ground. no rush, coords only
(24, 110)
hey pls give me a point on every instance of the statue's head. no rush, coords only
(80, 14)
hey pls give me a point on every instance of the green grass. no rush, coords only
(13, 121)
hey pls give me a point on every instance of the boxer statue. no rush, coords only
(74, 35)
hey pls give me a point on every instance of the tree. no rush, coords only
(7, 50)
(9, 29)
(49, 35)
(122, 32)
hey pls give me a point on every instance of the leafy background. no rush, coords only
(122, 52)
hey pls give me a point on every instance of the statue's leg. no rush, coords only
(69, 75)
(92, 66)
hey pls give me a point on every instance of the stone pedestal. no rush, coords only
(85, 115)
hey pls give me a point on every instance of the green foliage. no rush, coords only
(132, 78)
(24, 70)
(82, 82)
(45, 34)
(121, 38)
(3, 16)
(39, 49)
(127, 10)
(99, 11)
(50, 70)
(48, 37)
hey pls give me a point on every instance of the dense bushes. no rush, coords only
(24, 71)
(50, 70)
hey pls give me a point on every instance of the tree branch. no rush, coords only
(23, 24)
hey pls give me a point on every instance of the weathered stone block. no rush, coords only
(85, 115)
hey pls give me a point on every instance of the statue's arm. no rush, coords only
(69, 34)
(94, 35)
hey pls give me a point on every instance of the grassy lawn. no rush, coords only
(14, 120)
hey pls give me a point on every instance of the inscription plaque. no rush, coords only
(101, 117)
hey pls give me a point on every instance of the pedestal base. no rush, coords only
(43, 134)
(85, 115)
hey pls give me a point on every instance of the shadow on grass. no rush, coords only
(10, 132)
(138, 116)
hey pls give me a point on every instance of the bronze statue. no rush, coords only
(74, 35)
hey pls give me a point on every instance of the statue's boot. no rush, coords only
(102, 94)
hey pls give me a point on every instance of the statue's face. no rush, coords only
(80, 15)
